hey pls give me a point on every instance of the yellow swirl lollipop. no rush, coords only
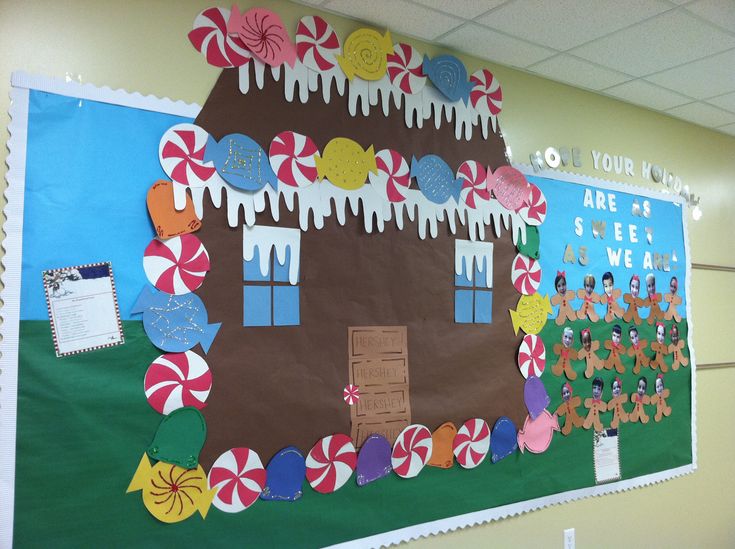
(365, 54)
(172, 493)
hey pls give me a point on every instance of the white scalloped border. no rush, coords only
(21, 83)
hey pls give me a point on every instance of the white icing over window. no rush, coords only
(468, 254)
(273, 239)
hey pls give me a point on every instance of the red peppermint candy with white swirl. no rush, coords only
(532, 356)
(351, 394)
(533, 211)
(526, 274)
(181, 152)
(330, 463)
(411, 451)
(177, 265)
(175, 380)
(210, 38)
(486, 94)
(239, 477)
(393, 177)
(317, 45)
(292, 157)
(474, 183)
(405, 68)
(472, 443)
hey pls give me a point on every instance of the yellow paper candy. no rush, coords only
(172, 493)
(531, 313)
(365, 54)
(345, 164)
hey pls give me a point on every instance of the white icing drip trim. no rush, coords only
(267, 239)
(467, 254)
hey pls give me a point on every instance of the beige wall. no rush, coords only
(142, 46)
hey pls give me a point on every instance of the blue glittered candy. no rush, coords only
(284, 476)
(436, 179)
(535, 396)
(175, 323)
(373, 461)
(449, 76)
(503, 439)
(241, 162)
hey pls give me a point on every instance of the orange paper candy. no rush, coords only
(166, 220)
(442, 439)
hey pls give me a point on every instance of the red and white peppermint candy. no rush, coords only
(526, 274)
(393, 178)
(533, 211)
(405, 68)
(317, 45)
(175, 380)
(330, 463)
(474, 183)
(239, 476)
(411, 451)
(351, 394)
(292, 159)
(177, 265)
(532, 356)
(211, 39)
(486, 95)
(181, 152)
(472, 443)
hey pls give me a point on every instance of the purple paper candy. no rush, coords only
(373, 461)
(535, 396)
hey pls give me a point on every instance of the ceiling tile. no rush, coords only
(493, 46)
(397, 16)
(467, 9)
(730, 128)
(719, 12)
(647, 95)
(726, 101)
(662, 42)
(701, 79)
(564, 24)
(578, 72)
(702, 114)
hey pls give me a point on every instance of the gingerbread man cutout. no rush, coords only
(640, 399)
(673, 300)
(566, 354)
(676, 349)
(660, 349)
(617, 351)
(659, 399)
(568, 409)
(563, 298)
(655, 313)
(615, 404)
(589, 298)
(595, 406)
(637, 349)
(610, 298)
(588, 352)
(633, 301)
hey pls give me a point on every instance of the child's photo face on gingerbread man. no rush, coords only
(616, 388)
(651, 285)
(561, 285)
(642, 386)
(635, 287)
(659, 385)
(634, 337)
(589, 284)
(616, 337)
(566, 394)
(673, 285)
(597, 388)
(567, 338)
(586, 340)
(674, 334)
(607, 283)
(660, 333)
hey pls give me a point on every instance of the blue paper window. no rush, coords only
(473, 300)
(269, 299)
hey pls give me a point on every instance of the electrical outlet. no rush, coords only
(569, 538)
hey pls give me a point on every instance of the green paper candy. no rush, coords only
(179, 438)
(531, 247)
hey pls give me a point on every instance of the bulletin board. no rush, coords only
(368, 346)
